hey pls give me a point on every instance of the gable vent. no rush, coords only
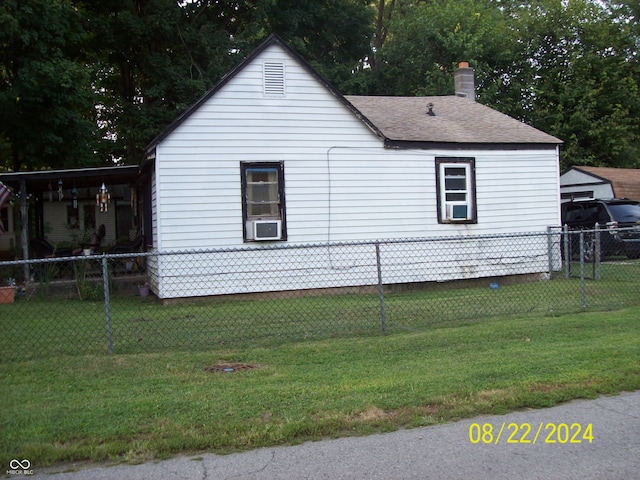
(274, 79)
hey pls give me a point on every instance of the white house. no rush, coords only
(274, 155)
(600, 182)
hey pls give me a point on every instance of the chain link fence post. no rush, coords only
(567, 251)
(583, 303)
(107, 302)
(550, 250)
(383, 318)
(598, 252)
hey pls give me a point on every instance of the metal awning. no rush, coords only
(39, 181)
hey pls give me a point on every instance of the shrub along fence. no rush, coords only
(158, 301)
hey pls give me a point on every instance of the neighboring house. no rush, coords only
(600, 182)
(274, 155)
(61, 207)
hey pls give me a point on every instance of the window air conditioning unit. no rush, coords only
(267, 229)
(457, 212)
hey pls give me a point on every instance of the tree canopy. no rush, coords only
(91, 83)
(47, 115)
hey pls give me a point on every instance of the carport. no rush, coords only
(31, 189)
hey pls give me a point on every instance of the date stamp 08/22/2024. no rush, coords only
(528, 434)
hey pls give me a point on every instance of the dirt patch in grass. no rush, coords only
(230, 367)
(373, 413)
(546, 387)
(496, 394)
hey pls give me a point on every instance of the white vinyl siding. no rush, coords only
(199, 202)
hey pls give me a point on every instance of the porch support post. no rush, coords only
(24, 227)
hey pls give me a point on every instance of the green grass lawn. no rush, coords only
(139, 406)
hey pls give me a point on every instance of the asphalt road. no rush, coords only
(594, 439)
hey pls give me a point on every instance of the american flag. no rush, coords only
(5, 193)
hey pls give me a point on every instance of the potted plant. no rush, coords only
(143, 289)
(8, 293)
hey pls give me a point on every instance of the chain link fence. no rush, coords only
(160, 301)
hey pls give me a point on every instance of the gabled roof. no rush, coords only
(625, 181)
(403, 121)
(273, 39)
(454, 120)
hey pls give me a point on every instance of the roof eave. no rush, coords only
(122, 173)
(436, 145)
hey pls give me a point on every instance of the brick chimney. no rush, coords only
(464, 81)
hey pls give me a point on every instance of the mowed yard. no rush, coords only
(138, 406)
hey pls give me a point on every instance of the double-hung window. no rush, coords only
(455, 179)
(263, 206)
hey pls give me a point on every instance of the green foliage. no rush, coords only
(89, 289)
(429, 39)
(88, 83)
(568, 68)
(47, 114)
(334, 36)
(580, 83)
(153, 59)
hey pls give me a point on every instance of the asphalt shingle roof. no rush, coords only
(625, 181)
(456, 120)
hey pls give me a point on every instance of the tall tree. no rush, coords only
(47, 115)
(568, 68)
(428, 39)
(333, 35)
(154, 58)
(87, 82)
(579, 81)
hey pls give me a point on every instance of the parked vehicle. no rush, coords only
(619, 220)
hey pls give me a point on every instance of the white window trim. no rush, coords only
(278, 219)
(446, 208)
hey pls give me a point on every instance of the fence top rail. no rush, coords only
(382, 241)
(552, 231)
